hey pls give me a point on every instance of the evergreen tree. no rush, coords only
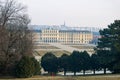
(75, 62)
(49, 62)
(109, 47)
(94, 62)
(64, 62)
(25, 67)
(85, 61)
(36, 66)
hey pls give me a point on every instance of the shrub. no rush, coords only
(36, 66)
(25, 67)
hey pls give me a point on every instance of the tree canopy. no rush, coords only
(95, 65)
(85, 61)
(64, 63)
(49, 62)
(109, 46)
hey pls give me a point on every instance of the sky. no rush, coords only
(81, 13)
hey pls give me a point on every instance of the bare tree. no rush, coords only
(15, 37)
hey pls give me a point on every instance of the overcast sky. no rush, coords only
(91, 13)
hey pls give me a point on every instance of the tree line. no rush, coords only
(76, 62)
(106, 56)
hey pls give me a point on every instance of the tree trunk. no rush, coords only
(104, 70)
(64, 72)
(74, 73)
(94, 71)
(83, 72)
(5, 70)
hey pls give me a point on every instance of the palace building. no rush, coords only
(50, 35)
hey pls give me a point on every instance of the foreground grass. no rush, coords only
(102, 77)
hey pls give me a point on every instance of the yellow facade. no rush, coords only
(64, 36)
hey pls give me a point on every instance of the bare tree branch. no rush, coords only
(15, 37)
